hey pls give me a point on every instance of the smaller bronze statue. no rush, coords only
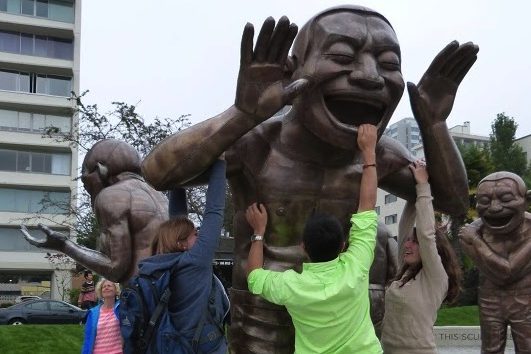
(128, 211)
(499, 243)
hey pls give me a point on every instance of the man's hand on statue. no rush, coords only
(53, 240)
(256, 215)
(367, 135)
(261, 91)
(433, 97)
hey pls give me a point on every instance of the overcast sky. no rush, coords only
(181, 57)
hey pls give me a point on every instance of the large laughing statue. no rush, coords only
(499, 243)
(344, 70)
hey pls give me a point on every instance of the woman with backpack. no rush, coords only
(198, 303)
(102, 328)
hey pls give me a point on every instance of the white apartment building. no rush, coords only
(389, 207)
(39, 67)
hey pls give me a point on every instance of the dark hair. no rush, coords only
(449, 261)
(323, 237)
(86, 273)
(171, 235)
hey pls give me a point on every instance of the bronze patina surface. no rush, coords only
(344, 70)
(499, 243)
(128, 211)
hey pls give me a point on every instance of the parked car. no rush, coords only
(23, 298)
(41, 311)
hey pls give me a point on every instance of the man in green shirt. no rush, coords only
(329, 301)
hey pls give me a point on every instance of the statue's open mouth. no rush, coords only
(499, 221)
(355, 111)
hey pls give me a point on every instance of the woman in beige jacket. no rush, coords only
(429, 276)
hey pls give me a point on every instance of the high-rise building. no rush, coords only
(39, 68)
(406, 131)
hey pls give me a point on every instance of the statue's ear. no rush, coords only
(103, 171)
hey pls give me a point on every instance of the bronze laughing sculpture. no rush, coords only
(499, 243)
(344, 70)
(128, 211)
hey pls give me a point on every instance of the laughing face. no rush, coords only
(411, 250)
(361, 54)
(501, 205)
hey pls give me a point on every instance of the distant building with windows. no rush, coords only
(389, 207)
(39, 67)
(406, 131)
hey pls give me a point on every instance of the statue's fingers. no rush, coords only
(414, 97)
(45, 229)
(262, 42)
(246, 51)
(464, 70)
(295, 89)
(441, 58)
(455, 61)
(277, 39)
(286, 46)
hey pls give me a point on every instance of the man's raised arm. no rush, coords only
(369, 182)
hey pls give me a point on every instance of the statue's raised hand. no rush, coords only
(261, 91)
(433, 98)
(53, 240)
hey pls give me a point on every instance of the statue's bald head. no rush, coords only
(497, 176)
(303, 41)
(116, 155)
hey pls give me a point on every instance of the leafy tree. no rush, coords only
(506, 154)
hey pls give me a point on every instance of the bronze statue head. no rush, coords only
(359, 49)
(106, 159)
(502, 200)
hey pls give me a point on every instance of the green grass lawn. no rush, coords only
(66, 339)
(458, 316)
(41, 339)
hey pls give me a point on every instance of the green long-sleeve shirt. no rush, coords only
(329, 301)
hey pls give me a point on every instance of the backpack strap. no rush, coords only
(162, 305)
(206, 310)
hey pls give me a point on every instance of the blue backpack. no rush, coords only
(146, 324)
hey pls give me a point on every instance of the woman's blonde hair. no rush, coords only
(172, 235)
(100, 285)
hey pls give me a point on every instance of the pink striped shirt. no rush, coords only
(108, 339)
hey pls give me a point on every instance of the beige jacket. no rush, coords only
(411, 310)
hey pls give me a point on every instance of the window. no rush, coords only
(58, 10)
(45, 84)
(31, 44)
(32, 122)
(37, 306)
(390, 198)
(35, 162)
(9, 80)
(33, 201)
(390, 219)
(59, 306)
(377, 210)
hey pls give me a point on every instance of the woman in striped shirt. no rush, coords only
(102, 328)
